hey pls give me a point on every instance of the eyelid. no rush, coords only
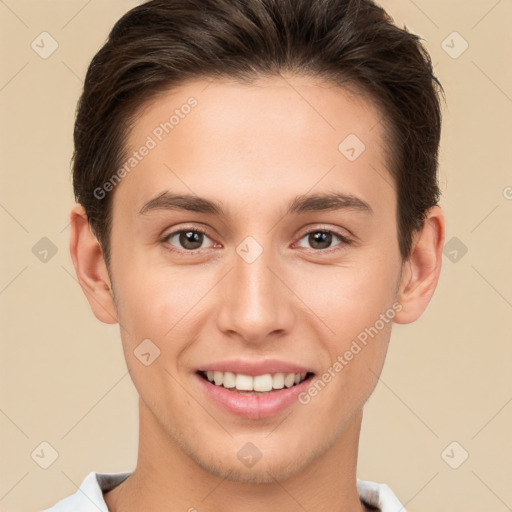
(346, 239)
(165, 237)
(344, 234)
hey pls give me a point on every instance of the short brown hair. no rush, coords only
(353, 43)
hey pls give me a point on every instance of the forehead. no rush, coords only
(226, 139)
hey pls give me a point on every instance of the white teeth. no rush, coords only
(244, 382)
(229, 380)
(289, 380)
(218, 377)
(258, 383)
(263, 382)
(278, 381)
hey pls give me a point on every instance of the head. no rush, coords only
(253, 127)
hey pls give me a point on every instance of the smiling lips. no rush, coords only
(259, 383)
(254, 389)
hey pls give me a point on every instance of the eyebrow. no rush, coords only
(328, 201)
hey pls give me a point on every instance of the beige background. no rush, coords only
(447, 377)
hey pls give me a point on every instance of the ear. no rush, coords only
(90, 267)
(421, 271)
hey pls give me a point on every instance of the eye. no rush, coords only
(192, 239)
(187, 239)
(321, 239)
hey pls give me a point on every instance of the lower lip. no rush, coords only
(253, 406)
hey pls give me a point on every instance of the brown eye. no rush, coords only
(187, 239)
(322, 240)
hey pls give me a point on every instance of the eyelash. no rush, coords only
(344, 240)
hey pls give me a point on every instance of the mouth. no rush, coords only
(254, 389)
(255, 384)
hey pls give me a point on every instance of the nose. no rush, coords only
(255, 303)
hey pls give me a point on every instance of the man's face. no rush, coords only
(261, 283)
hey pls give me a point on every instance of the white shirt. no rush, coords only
(89, 498)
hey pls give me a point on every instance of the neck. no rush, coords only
(167, 478)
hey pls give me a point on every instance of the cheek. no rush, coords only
(162, 304)
(348, 298)
(155, 305)
(356, 307)
(154, 299)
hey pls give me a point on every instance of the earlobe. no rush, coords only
(90, 267)
(421, 272)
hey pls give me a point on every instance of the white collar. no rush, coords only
(89, 497)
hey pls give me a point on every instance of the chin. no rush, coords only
(280, 468)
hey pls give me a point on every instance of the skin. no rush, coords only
(253, 148)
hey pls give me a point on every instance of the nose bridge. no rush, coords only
(255, 303)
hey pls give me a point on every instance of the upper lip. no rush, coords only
(255, 367)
